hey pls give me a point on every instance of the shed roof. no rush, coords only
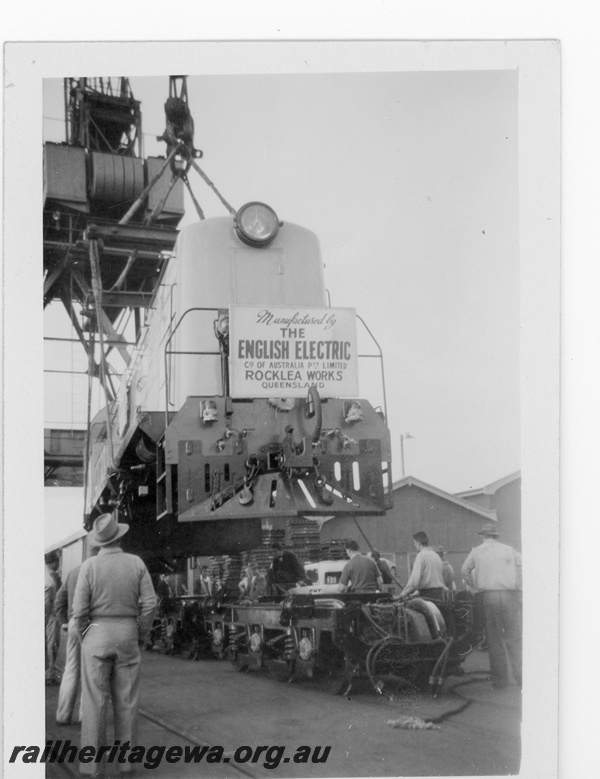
(492, 488)
(411, 481)
(66, 541)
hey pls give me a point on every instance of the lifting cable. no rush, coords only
(97, 293)
(196, 203)
(199, 170)
(360, 530)
(130, 260)
(159, 206)
(372, 548)
(88, 443)
(142, 196)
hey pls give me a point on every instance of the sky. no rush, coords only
(411, 182)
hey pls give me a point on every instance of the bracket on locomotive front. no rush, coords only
(248, 458)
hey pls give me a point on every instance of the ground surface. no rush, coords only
(209, 703)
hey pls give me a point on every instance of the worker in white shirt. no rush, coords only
(494, 569)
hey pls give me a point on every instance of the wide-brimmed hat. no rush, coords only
(488, 530)
(107, 529)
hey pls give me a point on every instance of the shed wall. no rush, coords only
(445, 522)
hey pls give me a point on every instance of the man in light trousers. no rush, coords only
(69, 684)
(51, 629)
(494, 569)
(113, 609)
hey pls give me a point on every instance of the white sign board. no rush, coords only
(281, 351)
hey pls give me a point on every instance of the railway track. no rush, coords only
(162, 733)
(208, 703)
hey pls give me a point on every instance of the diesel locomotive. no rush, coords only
(238, 406)
(239, 402)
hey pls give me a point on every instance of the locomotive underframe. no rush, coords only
(188, 487)
(339, 639)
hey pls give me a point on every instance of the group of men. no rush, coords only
(492, 571)
(108, 604)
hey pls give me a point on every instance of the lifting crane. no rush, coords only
(111, 215)
(89, 184)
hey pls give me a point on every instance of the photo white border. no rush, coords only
(27, 64)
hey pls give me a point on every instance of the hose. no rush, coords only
(437, 674)
(371, 621)
(372, 656)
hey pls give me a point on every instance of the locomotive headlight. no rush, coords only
(256, 224)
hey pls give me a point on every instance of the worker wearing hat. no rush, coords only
(494, 569)
(113, 609)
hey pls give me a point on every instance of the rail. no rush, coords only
(169, 352)
(388, 472)
(376, 357)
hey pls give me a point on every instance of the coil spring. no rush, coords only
(289, 647)
(232, 639)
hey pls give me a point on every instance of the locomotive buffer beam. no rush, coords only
(274, 494)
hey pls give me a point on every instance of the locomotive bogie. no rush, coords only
(335, 640)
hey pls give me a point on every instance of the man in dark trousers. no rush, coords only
(285, 570)
(494, 569)
(113, 609)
